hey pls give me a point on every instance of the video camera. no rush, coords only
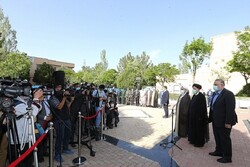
(10, 89)
(85, 86)
(15, 88)
(46, 92)
(71, 91)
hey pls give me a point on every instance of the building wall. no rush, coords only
(223, 46)
(37, 61)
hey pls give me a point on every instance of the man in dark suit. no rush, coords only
(223, 117)
(165, 101)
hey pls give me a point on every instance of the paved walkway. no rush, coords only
(136, 140)
(139, 128)
(197, 157)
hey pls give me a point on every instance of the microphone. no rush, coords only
(174, 106)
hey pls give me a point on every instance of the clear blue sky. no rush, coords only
(78, 30)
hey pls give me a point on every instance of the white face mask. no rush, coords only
(194, 91)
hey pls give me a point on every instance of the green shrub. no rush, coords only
(174, 96)
(245, 92)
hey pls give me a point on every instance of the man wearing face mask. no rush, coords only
(197, 117)
(223, 116)
(99, 97)
(60, 108)
(74, 109)
(181, 124)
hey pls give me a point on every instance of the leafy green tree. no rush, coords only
(166, 73)
(127, 78)
(245, 91)
(15, 65)
(194, 54)
(130, 67)
(87, 74)
(44, 74)
(100, 68)
(150, 76)
(183, 68)
(241, 58)
(7, 35)
(109, 77)
(124, 62)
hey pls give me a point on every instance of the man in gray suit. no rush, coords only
(165, 101)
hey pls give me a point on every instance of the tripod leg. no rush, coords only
(164, 145)
(33, 138)
(12, 131)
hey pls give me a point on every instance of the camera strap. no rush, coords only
(21, 116)
(17, 102)
(97, 94)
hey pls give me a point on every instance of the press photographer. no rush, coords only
(43, 118)
(74, 109)
(99, 97)
(82, 103)
(60, 103)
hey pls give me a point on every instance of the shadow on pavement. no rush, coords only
(157, 153)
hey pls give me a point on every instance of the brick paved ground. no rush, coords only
(107, 155)
(144, 128)
(141, 129)
(197, 157)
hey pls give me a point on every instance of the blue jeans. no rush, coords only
(98, 117)
(62, 135)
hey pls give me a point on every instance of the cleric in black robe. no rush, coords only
(181, 124)
(197, 118)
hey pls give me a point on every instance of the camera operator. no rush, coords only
(43, 117)
(74, 109)
(20, 109)
(99, 96)
(60, 103)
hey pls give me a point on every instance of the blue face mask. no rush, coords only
(78, 88)
(215, 88)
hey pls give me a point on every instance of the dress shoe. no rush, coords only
(197, 145)
(215, 154)
(224, 160)
(73, 145)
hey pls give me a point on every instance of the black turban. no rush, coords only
(197, 86)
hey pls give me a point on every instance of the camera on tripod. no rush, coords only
(10, 89)
(15, 88)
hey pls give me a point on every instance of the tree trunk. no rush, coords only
(246, 80)
(193, 78)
